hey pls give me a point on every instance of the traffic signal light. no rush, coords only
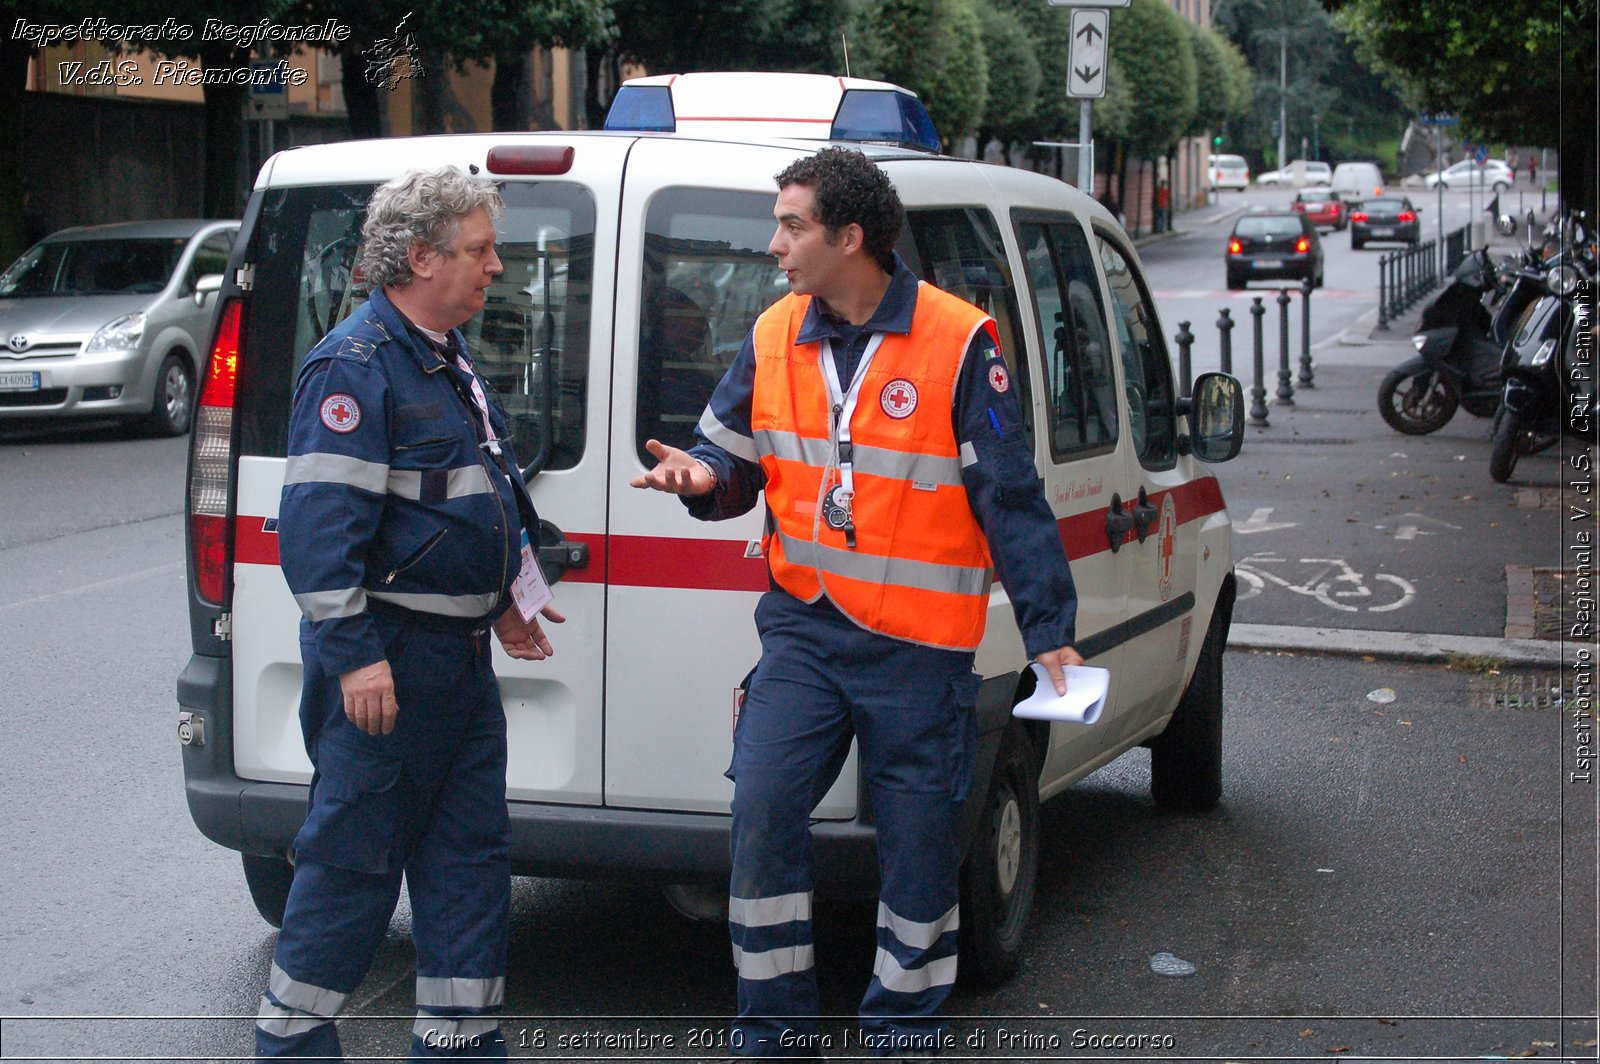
(1216, 141)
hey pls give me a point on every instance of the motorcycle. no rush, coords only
(1460, 345)
(1548, 365)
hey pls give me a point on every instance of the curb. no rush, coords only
(1399, 646)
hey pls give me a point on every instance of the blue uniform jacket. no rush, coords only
(1002, 482)
(388, 496)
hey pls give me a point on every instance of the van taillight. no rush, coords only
(209, 536)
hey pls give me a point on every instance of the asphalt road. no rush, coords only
(1386, 879)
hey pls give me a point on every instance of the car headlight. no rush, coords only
(1541, 356)
(120, 335)
(1419, 341)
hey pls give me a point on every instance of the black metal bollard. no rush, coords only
(1225, 328)
(1185, 340)
(1285, 378)
(1258, 391)
(1383, 292)
(1305, 334)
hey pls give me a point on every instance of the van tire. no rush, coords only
(1002, 867)
(268, 879)
(1186, 759)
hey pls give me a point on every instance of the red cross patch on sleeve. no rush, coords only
(999, 379)
(340, 412)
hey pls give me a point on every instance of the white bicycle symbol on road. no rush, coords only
(1332, 582)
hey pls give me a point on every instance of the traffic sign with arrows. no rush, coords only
(1086, 71)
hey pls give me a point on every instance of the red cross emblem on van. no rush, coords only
(341, 413)
(899, 398)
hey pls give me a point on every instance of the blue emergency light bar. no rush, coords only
(863, 115)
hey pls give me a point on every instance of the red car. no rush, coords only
(1322, 206)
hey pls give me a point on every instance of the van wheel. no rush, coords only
(172, 410)
(1002, 868)
(268, 879)
(1186, 759)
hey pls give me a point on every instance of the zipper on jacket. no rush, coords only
(416, 556)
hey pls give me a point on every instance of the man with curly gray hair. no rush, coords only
(406, 534)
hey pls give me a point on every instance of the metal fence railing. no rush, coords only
(1407, 275)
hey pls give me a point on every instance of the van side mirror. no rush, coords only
(1216, 418)
(211, 282)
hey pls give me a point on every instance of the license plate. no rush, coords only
(1383, 232)
(1269, 264)
(19, 382)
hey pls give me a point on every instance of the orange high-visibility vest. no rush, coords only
(920, 568)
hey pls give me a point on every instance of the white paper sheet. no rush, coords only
(1087, 686)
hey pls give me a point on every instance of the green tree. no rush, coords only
(691, 35)
(1222, 81)
(1515, 70)
(1013, 78)
(1150, 43)
(935, 49)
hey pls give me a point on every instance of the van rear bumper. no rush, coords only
(582, 842)
(578, 842)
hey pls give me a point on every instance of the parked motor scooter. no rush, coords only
(1549, 364)
(1459, 348)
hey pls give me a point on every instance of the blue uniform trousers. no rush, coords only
(427, 800)
(820, 680)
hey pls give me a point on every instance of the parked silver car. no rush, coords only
(112, 321)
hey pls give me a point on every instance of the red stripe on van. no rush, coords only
(721, 565)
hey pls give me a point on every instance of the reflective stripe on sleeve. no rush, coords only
(331, 605)
(443, 605)
(320, 467)
(769, 964)
(902, 572)
(918, 935)
(969, 455)
(435, 992)
(459, 482)
(765, 912)
(729, 440)
(941, 972)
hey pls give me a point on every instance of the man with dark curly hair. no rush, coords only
(877, 414)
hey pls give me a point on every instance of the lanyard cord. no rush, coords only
(843, 404)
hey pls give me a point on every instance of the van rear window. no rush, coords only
(535, 322)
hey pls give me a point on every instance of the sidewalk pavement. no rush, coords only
(1346, 373)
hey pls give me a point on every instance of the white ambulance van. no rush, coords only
(635, 263)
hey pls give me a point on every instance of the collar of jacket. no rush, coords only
(400, 328)
(892, 316)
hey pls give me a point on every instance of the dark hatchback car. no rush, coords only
(1274, 245)
(1384, 218)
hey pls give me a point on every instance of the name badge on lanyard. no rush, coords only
(838, 502)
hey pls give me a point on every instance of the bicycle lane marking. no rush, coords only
(1315, 586)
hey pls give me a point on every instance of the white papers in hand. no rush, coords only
(1085, 698)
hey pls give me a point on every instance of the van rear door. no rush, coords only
(533, 342)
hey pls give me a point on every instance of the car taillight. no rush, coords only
(1408, 216)
(1302, 245)
(209, 533)
(1359, 216)
(1234, 247)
